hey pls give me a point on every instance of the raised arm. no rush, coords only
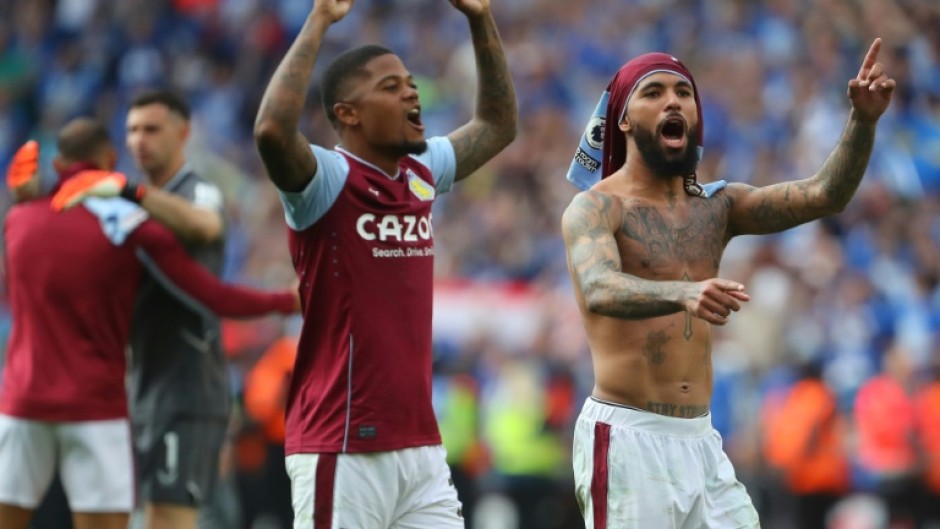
(493, 126)
(284, 149)
(782, 206)
(588, 227)
(167, 261)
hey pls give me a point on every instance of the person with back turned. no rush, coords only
(72, 279)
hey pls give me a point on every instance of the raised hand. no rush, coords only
(713, 300)
(471, 7)
(871, 90)
(23, 173)
(332, 10)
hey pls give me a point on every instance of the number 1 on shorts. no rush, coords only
(171, 442)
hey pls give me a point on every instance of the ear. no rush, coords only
(59, 164)
(625, 125)
(346, 114)
(110, 159)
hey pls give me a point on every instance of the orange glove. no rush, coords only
(23, 173)
(95, 183)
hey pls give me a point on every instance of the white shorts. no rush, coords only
(402, 489)
(95, 460)
(638, 469)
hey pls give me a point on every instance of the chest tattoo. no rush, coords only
(674, 238)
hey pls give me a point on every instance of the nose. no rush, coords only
(672, 101)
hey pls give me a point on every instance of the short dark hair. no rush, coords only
(167, 98)
(348, 64)
(81, 139)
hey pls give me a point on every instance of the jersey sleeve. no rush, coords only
(442, 162)
(118, 217)
(207, 195)
(302, 209)
(166, 260)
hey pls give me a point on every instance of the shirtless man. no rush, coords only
(644, 246)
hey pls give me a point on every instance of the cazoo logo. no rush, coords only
(404, 228)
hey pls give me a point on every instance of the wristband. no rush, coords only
(133, 192)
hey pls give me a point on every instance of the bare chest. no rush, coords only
(659, 242)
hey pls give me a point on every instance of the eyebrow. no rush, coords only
(660, 85)
(395, 77)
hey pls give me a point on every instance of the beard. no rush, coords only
(662, 163)
(409, 147)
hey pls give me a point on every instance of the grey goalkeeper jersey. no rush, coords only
(177, 366)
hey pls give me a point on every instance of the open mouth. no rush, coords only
(414, 117)
(673, 132)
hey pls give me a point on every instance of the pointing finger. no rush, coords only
(725, 284)
(870, 59)
(740, 296)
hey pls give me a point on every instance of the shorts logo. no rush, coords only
(419, 187)
(168, 475)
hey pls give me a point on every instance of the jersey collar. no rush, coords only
(360, 160)
(178, 177)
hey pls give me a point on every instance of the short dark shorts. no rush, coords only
(178, 460)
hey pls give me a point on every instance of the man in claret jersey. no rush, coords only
(363, 447)
(72, 279)
(179, 378)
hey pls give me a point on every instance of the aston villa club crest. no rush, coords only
(421, 189)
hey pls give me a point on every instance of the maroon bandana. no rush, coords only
(621, 87)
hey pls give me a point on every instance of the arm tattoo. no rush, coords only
(782, 206)
(283, 148)
(843, 171)
(596, 267)
(494, 124)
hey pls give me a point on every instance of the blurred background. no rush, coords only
(827, 392)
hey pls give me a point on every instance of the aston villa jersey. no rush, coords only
(363, 247)
(72, 278)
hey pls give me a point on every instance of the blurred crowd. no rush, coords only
(826, 385)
